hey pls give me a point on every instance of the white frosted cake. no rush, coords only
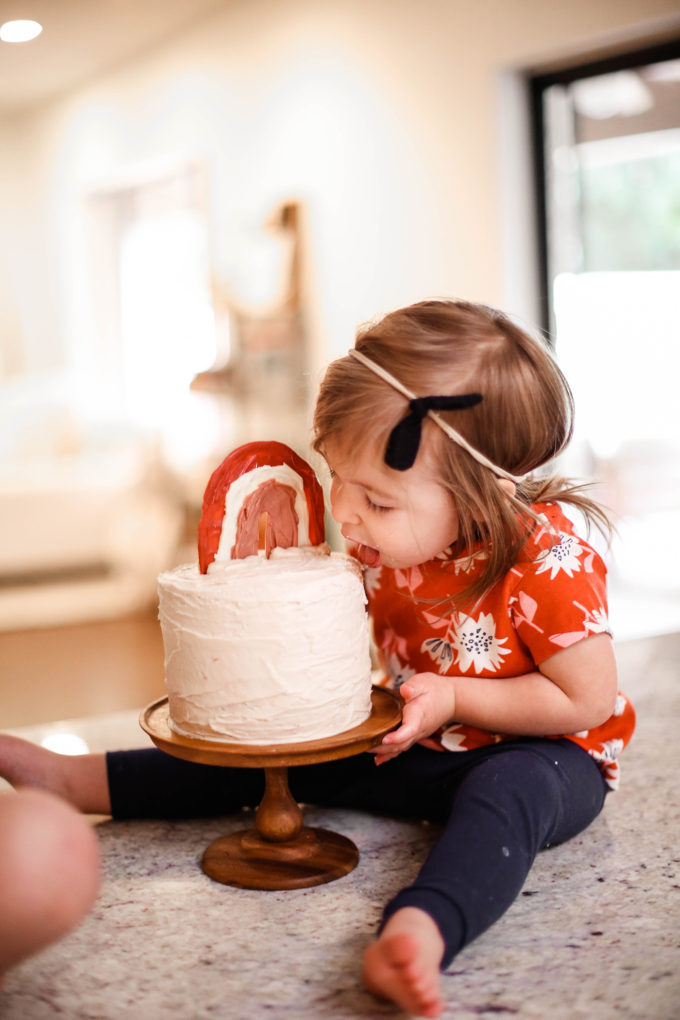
(266, 637)
(266, 651)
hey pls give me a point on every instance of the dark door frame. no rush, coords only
(537, 84)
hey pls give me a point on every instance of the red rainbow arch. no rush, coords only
(241, 462)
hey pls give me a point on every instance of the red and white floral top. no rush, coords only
(555, 596)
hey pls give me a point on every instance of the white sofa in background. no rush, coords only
(88, 517)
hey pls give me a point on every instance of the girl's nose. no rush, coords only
(343, 506)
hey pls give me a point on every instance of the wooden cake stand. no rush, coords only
(279, 852)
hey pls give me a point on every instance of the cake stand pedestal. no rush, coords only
(280, 852)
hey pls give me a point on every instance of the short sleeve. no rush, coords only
(561, 598)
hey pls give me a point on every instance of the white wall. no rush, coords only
(382, 116)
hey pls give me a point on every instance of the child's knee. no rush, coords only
(50, 873)
(544, 791)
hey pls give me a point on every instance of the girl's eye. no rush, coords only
(376, 507)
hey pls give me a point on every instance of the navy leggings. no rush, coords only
(498, 806)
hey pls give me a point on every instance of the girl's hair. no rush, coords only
(524, 419)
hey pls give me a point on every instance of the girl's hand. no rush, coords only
(429, 703)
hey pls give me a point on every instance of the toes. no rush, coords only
(393, 970)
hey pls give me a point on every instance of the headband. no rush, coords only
(404, 439)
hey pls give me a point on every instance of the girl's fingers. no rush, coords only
(407, 730)
(387, 755)
(390, 749)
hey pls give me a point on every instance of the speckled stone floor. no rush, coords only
(594, 935)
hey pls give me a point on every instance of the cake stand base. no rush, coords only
(279, 852)
(246, 860)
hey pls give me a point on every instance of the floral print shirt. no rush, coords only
(553, 597)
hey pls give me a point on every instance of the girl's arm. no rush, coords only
(573, 690)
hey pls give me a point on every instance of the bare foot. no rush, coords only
(403, 964)
(79, 779)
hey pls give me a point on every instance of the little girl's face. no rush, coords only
(396, 518)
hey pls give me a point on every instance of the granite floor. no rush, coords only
(595, 933)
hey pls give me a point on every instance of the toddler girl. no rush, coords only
(489, 616)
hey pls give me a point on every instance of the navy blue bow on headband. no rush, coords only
(404, 440)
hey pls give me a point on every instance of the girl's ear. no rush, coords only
(508, 487)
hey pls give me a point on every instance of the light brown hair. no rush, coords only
(523, 421)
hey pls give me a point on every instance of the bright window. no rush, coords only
(609, 170)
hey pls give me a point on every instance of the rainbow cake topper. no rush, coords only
(262, 495)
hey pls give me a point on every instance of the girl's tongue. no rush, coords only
(369, 557)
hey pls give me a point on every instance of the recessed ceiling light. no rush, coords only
(19, 31)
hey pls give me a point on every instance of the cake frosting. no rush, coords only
(266, 650)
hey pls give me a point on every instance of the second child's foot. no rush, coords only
(80, 779)
(403, 964)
